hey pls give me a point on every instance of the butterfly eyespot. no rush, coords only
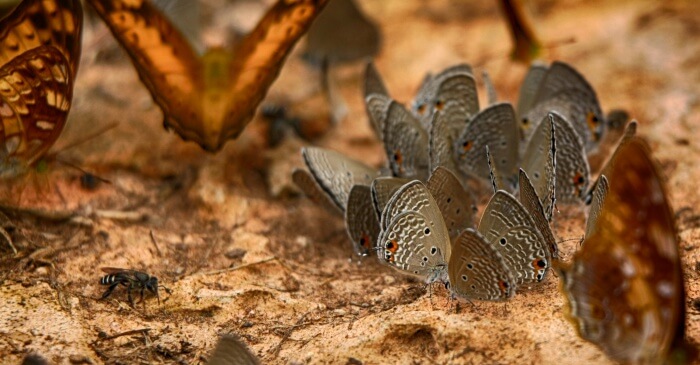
(397, 157)
(540, 263)
(536, 175)
(421, 109)
(470, 266)
(464, 278)
(503, 241)
(425, 258)
(439, 104)
(504, 143)
(433, 250)
(449, 200)
(426, 231)
(525, 121)
(473, 287)
(579, 179)
(422, 264)
(467, 145)
(416, 272)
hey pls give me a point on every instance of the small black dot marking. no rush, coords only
(464, 277)
(536, 175)
(449, 200)
(473, 287)
(503, 241)
(427, 231)
(470, 266)
(433, 250)
(425, 258)
(541, 263)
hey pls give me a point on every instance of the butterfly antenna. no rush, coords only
(89, 137)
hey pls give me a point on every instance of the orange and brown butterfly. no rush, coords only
(624, 286)
(208, 99)
(39, 57)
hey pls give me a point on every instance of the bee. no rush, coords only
(132, 279)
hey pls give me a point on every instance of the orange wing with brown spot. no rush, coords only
(34, 23)
(36, 89)
(211, 99)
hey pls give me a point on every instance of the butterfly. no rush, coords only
(562, 89)
(342, 185)
(40, 54)
(624, 287)
(208, 99)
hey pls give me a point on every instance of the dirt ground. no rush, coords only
(241, 252)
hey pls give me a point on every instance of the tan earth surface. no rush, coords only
(241, 252)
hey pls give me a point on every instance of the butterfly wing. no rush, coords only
(454, 103)
(529, 87)
(36, 89)
(336, 174)
(373, 81)
(230, 350)
(508, 226)
(426, 101)
(35, 23)
(531, 202)
(383, 188)
(456, 204)
(573, 172)
(495, 127)
(377, 106)
(478, 271)
(405, 144)
(539, 163)
(361, 220)
(598, 199)
(258, 59)
(164, 60)
(625, 285)
(308, 185)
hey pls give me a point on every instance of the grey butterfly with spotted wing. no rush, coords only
(496, 128)
(341, 184)
(427, 99)
(414, 238)
(405, 144)
(566, 91)
(509, 227)
(453, 103)
(528, 89)
(377, 99)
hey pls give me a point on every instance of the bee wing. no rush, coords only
(115, 270)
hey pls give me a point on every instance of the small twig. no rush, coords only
(275, 351)
(8, 239)
(127, 333)
(220, 271)
(119, 215)
(155, 243)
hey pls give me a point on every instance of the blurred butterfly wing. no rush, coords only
(361, 220)
(307, 184)
(478, 271)
(259, 57)
(454, 102)
(561, 76)
(492, 95)
(598, 199)
(377, 106)
(36, 89)
(495, 127)
(625, 286)
(573, 172)
(230, 350)
(35, 23)
(628, 134)
(373, 81)
(529, 87)
(164, 60)
(405, 144)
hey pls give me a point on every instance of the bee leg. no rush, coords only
(109, 290)
(128, 293)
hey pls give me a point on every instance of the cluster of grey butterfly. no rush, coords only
(417, 215)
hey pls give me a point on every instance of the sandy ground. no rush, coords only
(241, 252)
